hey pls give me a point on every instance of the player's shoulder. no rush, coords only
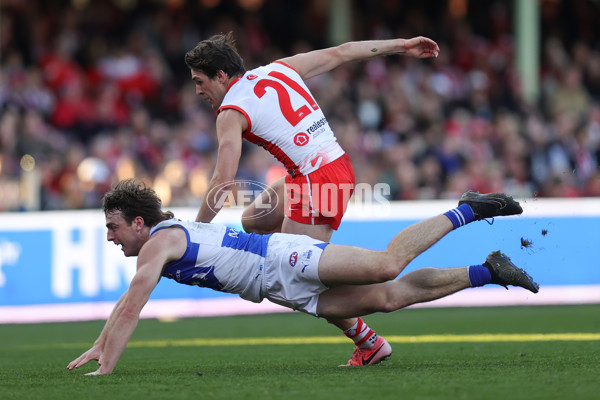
(170, 228)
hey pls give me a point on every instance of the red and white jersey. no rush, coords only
(283, 117)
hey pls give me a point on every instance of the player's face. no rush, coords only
(128, 236)
(212, 90)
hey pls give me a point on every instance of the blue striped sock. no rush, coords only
(479, 275)
(461, 215)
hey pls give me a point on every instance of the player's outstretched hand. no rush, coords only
(92, 354)
(421, 47)
(96, 372)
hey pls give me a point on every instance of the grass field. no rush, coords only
(469, 353)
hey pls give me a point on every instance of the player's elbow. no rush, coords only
(223, 180)
(345, 52)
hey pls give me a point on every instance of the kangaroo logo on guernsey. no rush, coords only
(234, 233)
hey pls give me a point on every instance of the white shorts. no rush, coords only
(292, 272)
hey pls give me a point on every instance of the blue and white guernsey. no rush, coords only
(219, 258)
(280, 267)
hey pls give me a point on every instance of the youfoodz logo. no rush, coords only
(309, 200)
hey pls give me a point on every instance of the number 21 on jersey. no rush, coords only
(285, 104)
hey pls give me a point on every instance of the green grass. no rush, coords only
(164, 362)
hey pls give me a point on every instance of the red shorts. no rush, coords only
(322, 196)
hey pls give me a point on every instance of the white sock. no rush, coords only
(363, 336)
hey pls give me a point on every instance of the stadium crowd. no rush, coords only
(96, 91)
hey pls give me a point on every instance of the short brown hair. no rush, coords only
(133, 198)
(215, 54)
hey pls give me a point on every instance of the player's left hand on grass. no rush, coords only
(96, 372)
(92, 354)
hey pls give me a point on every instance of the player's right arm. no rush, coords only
(230, 126)
(97, 350)
(317, 62)
(163, 247)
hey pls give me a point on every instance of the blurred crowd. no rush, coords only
(95, 91)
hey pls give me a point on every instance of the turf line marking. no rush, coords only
(475, 338)
(536, 337)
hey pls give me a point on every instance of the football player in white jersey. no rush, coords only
(272, 107)
(305, 274)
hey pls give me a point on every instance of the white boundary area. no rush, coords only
(187, 308)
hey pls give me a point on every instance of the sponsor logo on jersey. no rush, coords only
(316, 126)
(316, 162)
(306, 259)
(251, 77)
(293, 258)
(301, 139)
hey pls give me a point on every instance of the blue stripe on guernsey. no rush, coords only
(191, 254)
(322, 245)
(250, 242)
(191, 251)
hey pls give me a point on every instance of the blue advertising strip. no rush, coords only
(64, 258)
(25, 267)
(554, 250)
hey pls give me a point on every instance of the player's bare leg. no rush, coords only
(421, 285)
(371, 348)
(341, 265)
(358, 266)
(265, 214)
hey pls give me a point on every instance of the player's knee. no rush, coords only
(248, 224)
(257, 222)
(387, 273)
(263, 226)
(389, 269)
